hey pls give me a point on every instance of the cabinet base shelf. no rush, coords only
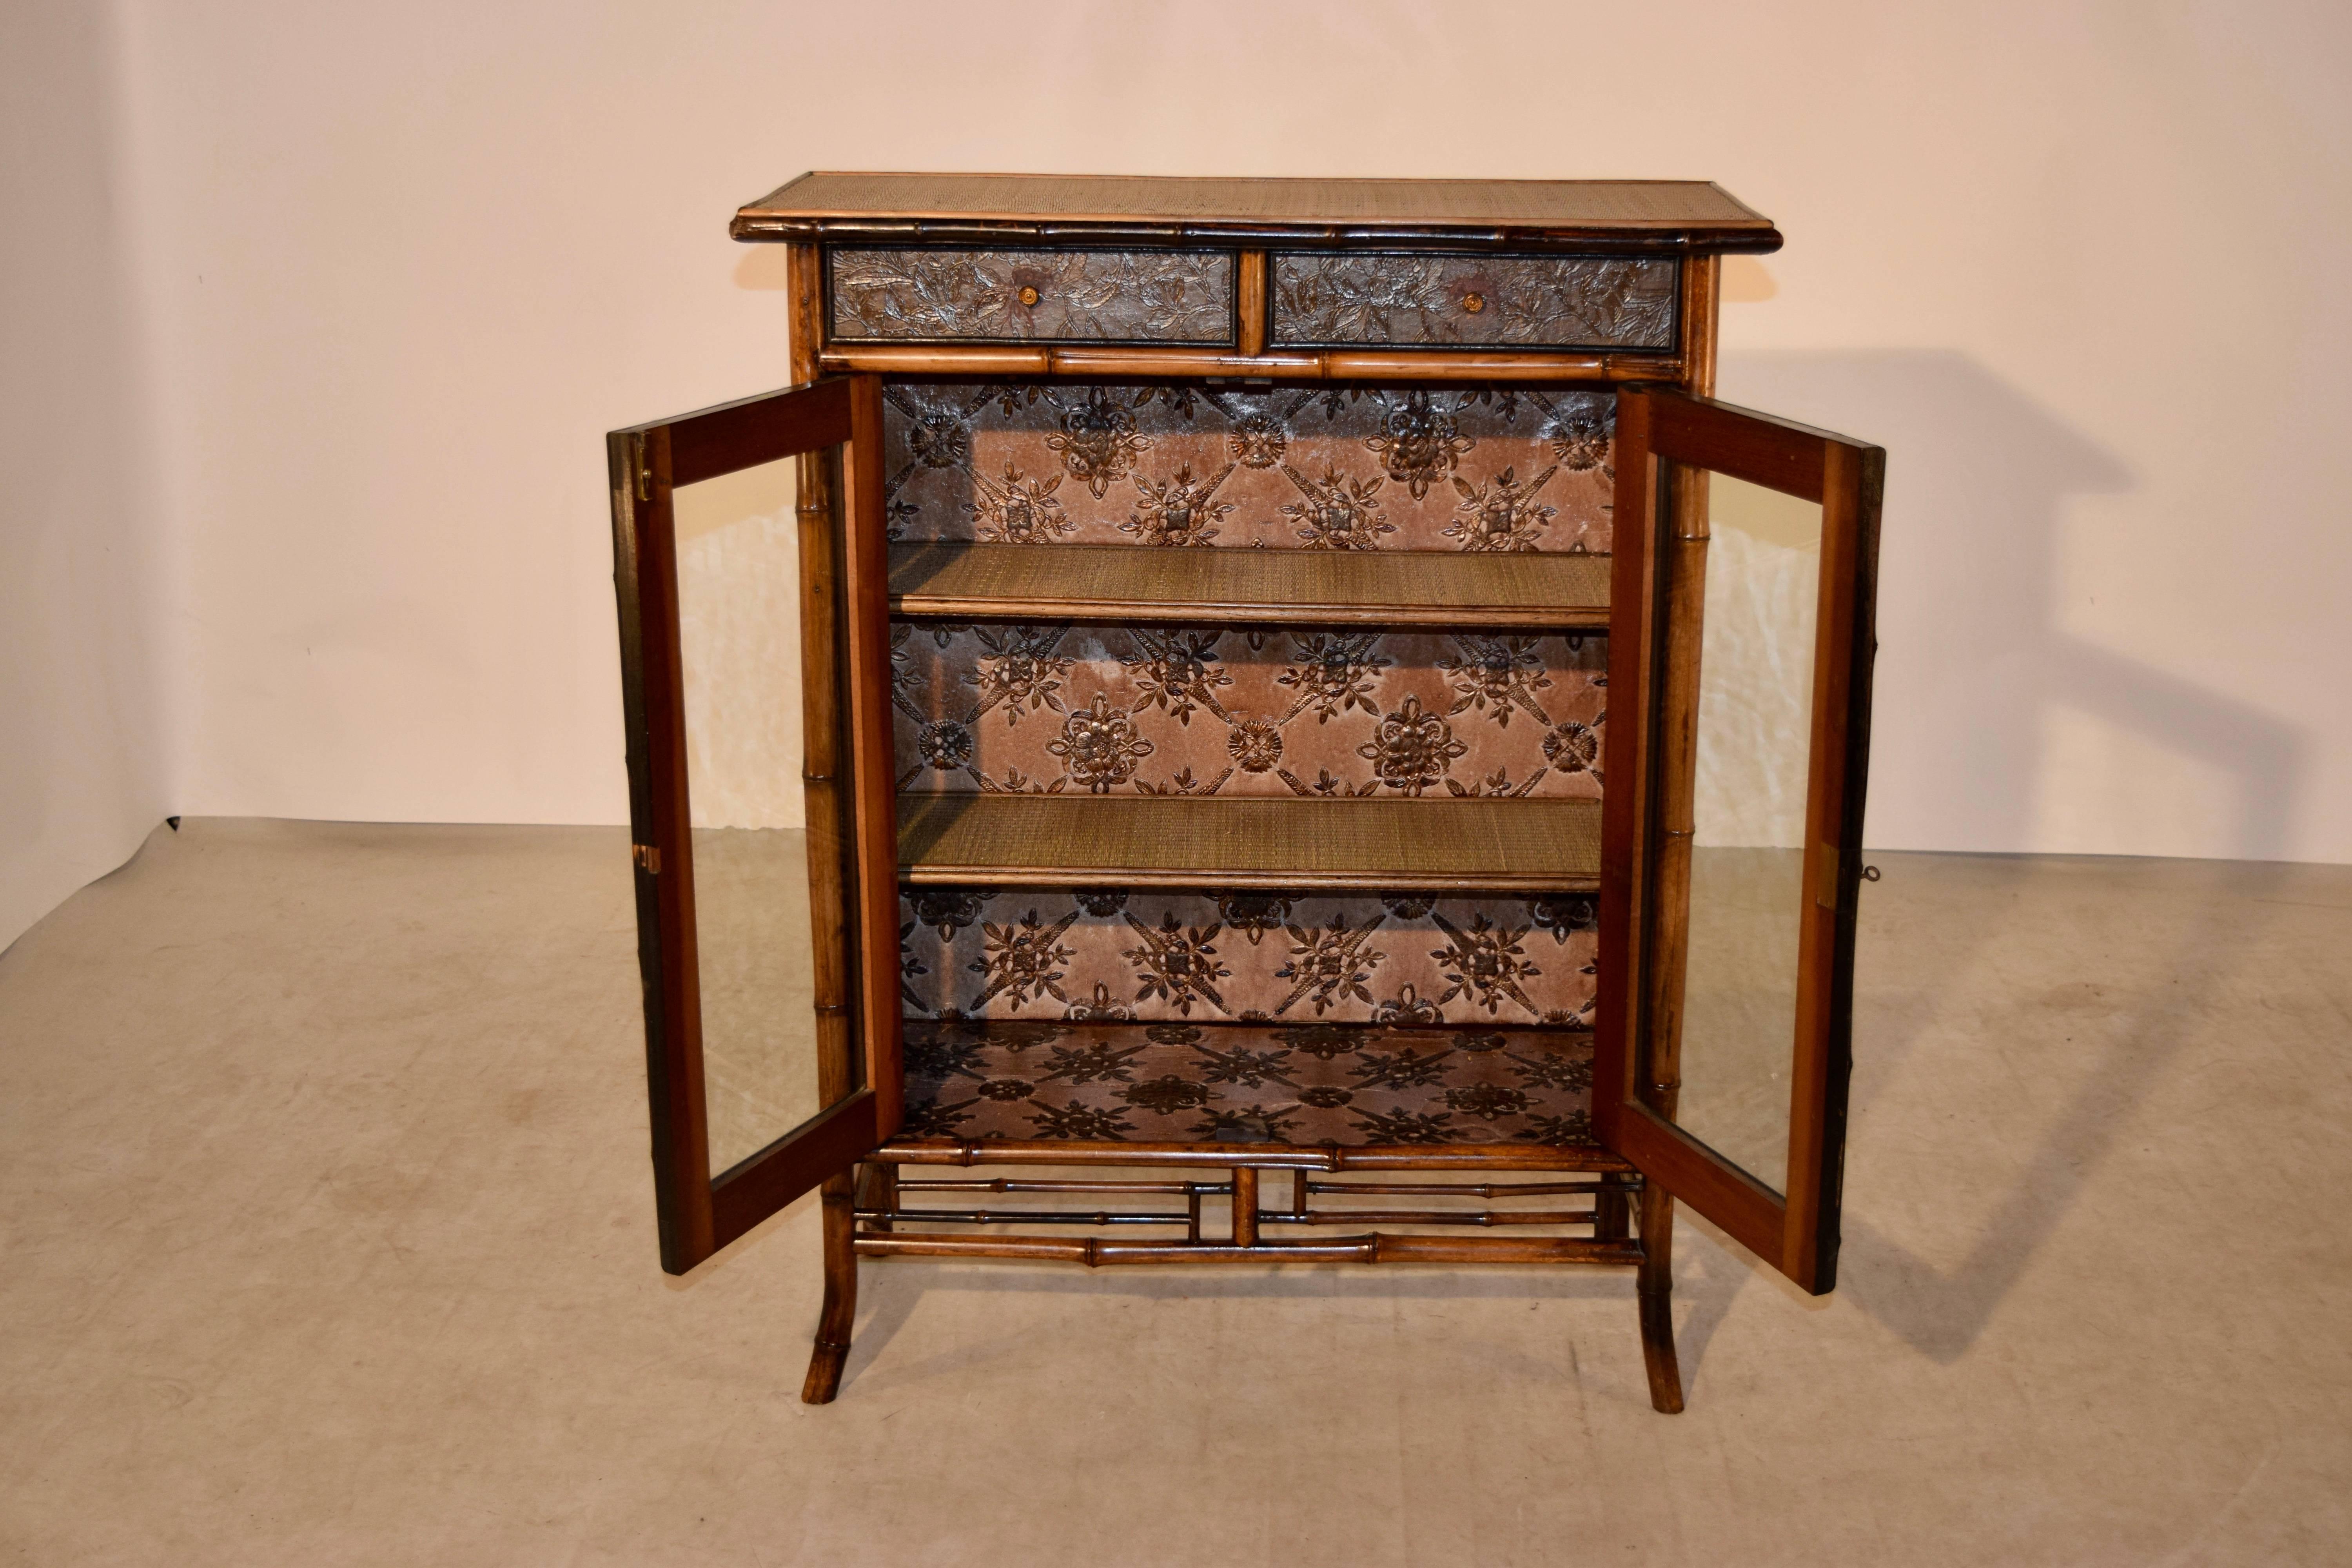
(1253, 1088)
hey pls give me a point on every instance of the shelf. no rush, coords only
(1154, 841)
(1278, 1082)
(1554, 592)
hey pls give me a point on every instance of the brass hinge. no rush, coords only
(648, 858)
(645, 467)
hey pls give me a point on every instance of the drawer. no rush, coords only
(877, 295)
(1349, 299)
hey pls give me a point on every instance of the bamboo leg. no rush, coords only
(1610, 1213)
(832, 1324)
(1653, 1287)
(1246, 1205)
(877, 1190)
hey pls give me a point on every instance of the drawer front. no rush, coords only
(905, 295)
(1351, 299)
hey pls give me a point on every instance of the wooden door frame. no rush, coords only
(1646, 826)
(699, 1214)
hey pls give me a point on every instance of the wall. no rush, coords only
(82, 745)
(2072, 265)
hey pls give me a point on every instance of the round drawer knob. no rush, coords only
(1028, 294)
(1473, 303)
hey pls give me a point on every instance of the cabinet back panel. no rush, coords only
(1107, 955)
(1249, 710)
(1351, 467)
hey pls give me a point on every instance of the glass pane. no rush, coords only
(1747, 888)
(739, 644)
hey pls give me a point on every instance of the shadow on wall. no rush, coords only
(1973, 663)
(1973, 654)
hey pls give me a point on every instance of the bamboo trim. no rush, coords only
(1245, 1206)
(1481, 1217)
(1654, 1291)
(839, 1313)
(1677, 728)
(822, 770)
(1378, 1247)
(1249, 303)
(1008, 1185)
(1702, 322)
(884, 1219)
(1024, 1216)
(1610, 1182)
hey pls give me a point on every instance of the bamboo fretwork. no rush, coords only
(892, 1229)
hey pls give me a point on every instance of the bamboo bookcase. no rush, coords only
(973, 357)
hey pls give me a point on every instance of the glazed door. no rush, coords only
(1740, 650)
(766, 905)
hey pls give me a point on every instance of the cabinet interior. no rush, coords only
(1267, 879)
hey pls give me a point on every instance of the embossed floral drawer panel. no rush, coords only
(1031, 296)
(1339, 299)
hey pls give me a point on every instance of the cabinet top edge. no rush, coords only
(1678, 215)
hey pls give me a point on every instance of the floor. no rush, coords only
(329, 1240)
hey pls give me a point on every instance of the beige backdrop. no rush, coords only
(385, 274)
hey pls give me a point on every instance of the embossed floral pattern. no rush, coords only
(1346, 467)
(1033, 296)
(1021, 960)
(1255, 745)
(1258, 440)
(1018, 510)
(1099, 746)
(1502, 514)
(1243, 1014)
(1097, 441)
(1554, 301)
(1487, 963)
(1355, 1085)
(1015, 669)
(1336, 512)
(1573, 748)
(1177, 671)
(1296, 960)
(1263, 712)
(1177, 511)
(1176, 963)
(1412, 750)
(1419, 442)
(1498, 676)
(1582, 436)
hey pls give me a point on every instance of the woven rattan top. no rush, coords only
(1695, 213)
